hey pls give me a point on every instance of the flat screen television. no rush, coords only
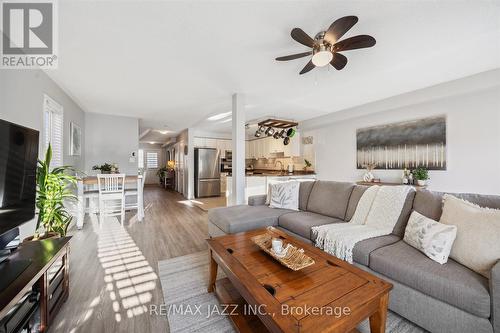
(18, 161)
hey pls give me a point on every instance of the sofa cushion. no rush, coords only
(361, 251)
(330, 198)
(399, 228)
(304, 193)
(240, 218)
(430, 203)
(451, 283)
(356, 194)
(301, 223)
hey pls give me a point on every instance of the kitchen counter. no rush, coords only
(258, 183)
(275, 173)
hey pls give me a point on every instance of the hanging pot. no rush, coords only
(290, 132)
(269, 131)
(262, 129)
(282, 133)
(286, 141)
(276, 135)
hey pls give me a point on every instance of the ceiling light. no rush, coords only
(322, 57)
(227, 120)
(152, 143)
(219, 116)
(163, 132)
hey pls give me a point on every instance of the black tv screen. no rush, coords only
(18, 160)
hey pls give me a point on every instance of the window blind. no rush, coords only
(54, 129)
(152, 160)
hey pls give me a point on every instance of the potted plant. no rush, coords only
(104, 168)
(162, 173)
(54, 186)
(307, 164)
(421, 175)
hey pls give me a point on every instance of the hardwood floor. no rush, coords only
(114, 271)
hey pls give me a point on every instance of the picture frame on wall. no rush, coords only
(407, 144)
(75, 139)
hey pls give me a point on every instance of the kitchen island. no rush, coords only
(257, 182)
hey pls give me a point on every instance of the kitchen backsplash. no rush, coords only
(273, 164)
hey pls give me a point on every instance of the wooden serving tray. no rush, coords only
(295, 259)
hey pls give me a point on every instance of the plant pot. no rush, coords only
(47, 235)
(421, 182)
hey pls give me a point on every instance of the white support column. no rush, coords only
(238, 150)
(190, 165)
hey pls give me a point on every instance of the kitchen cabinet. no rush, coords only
(222, 145)
(293, 148)
(251, 149)
(210, 143)
(198, 142)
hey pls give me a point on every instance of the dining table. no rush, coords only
(91, 181)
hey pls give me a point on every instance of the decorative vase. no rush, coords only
(421, 182)
(368, 177)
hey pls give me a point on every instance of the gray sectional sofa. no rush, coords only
(439, 298)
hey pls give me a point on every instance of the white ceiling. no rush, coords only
(174, 63)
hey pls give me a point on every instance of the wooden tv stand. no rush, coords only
(47, 272)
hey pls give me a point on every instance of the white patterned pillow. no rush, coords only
(477, 245)
(270, 183)
(432, 238)
(285, 195)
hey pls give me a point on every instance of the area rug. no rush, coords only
(184, 283)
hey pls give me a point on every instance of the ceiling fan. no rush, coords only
(326, 45)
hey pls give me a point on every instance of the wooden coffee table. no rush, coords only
(263, 296)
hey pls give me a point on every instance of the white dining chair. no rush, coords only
(111, 196)
(133, 193)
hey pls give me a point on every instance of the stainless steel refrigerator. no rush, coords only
(206, 172)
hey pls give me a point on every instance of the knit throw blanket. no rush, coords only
(376, 214)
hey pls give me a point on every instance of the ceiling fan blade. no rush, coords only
(300, 36)
(307, 67)
(352, 43)
(338, 28)
(294, 56)
(338, 61)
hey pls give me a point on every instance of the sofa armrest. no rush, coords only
(495, 297)
(257, 200)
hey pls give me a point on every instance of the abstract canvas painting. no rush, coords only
(408, 144)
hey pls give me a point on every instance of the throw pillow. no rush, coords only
(477, 245)
(285, 195)
(432, 238)
(269, 188)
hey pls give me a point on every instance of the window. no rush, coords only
(53, 128)
(152, 160)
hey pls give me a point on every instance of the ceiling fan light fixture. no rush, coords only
(322, 56)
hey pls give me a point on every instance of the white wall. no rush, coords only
(111, 139)
(473, 139)
(21, 102)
